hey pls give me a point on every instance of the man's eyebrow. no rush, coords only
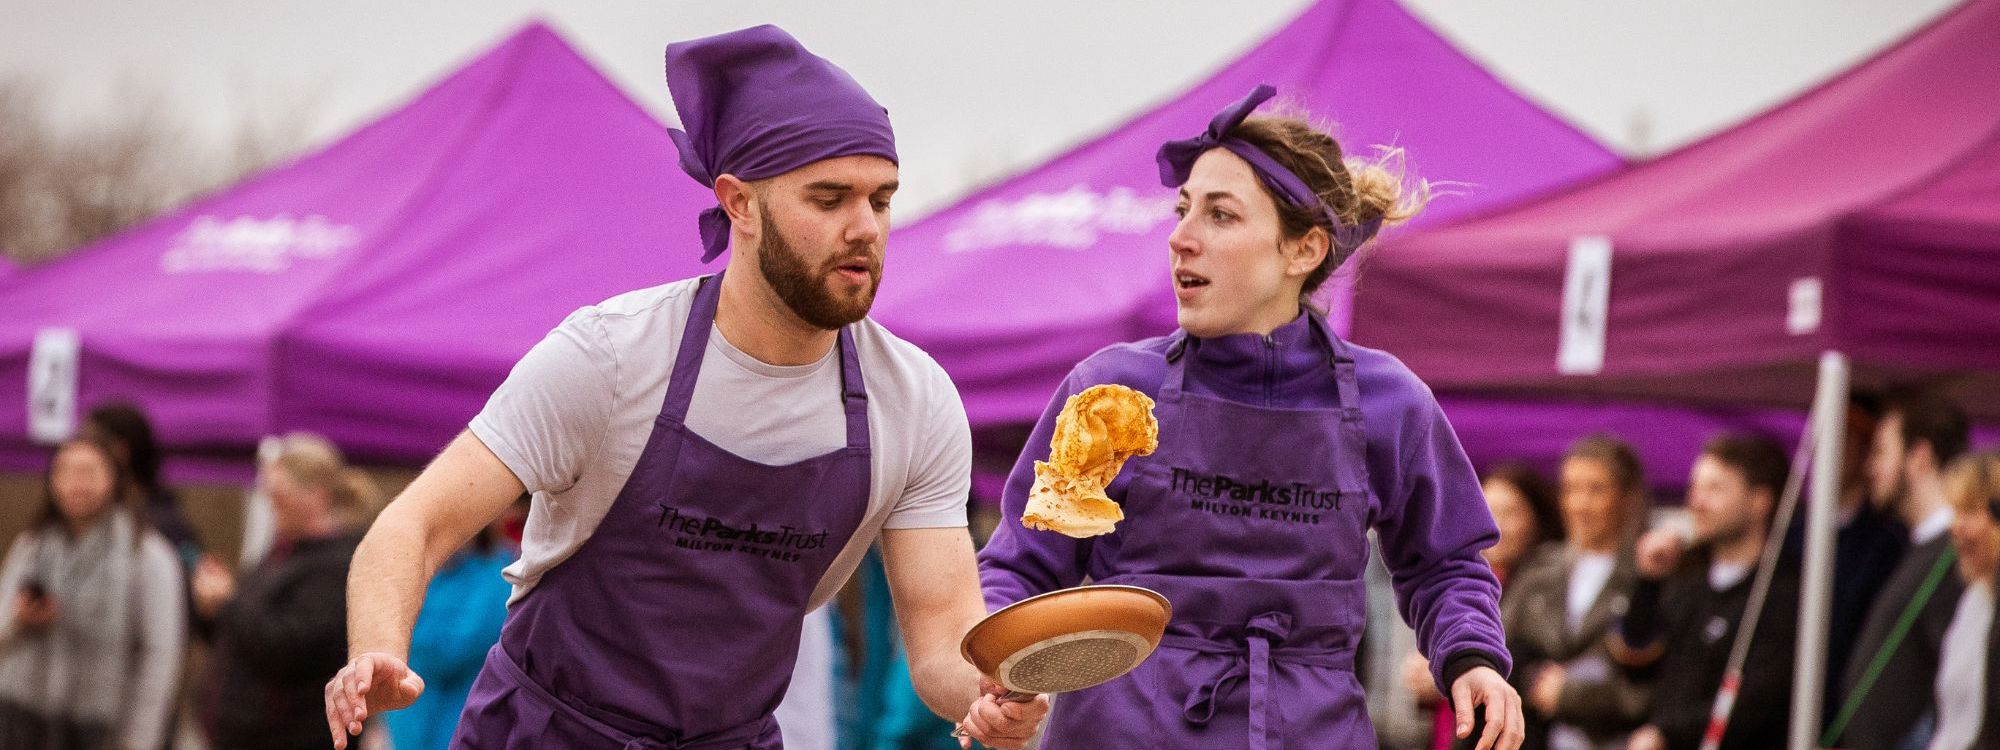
(831, 186)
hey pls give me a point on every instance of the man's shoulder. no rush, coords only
(897, 369)
(635, 320)
(671, 299)
(1918, 563)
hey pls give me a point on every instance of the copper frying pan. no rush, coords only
(1069, 639)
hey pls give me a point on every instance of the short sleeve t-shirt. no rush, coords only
(572, 418)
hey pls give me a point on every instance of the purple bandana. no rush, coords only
(756, 104)
(1177, 160)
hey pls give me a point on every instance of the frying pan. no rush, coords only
(1067, 640)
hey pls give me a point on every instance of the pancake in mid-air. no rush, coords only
(1096, 432)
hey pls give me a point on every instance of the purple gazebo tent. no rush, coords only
(1860, 217)
(1011, 286)
(1852, 230)
(376, 290)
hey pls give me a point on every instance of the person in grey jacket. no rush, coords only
(1561, 605)
(92, 624)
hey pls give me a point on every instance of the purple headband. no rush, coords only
(1177, 160)
(756, 104)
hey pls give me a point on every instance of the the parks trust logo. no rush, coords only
(708, 534)
(1223, 495)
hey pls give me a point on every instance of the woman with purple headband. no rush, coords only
(1317, 440)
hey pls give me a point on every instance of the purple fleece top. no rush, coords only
(1428, 511)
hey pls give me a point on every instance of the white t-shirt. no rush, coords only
(1962, 681)
(1586, 582)
(574, 415)
(1722, 575)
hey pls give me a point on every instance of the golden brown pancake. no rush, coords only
(1096, 432)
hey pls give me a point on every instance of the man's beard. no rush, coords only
(804, 289)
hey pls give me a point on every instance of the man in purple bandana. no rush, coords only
(709, 459)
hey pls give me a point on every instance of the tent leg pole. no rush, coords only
(1816, 592)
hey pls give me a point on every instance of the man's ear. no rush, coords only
(739, 201)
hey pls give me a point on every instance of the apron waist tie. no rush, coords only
(1253, 661)
(728, 739)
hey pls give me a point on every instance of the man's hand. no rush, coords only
(1647, 738)
(370, 683)
(999, 722)
(35, 613)
(456, 496)
(1505, 729)
(1547, 689)
(1659, 553)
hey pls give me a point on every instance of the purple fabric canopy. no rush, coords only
(1013, 285)
(1863, 216)
(378, 290)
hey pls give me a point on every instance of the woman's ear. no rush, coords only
(1306, 253)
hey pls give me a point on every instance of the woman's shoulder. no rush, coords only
(1398, 408)
(155, 546)
(1381, 374)
(1140, 365)
(157, 577)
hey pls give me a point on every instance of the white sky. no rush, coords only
(978, 89)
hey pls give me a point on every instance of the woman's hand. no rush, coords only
(35, 613)
(214, 585)
(1481, 686)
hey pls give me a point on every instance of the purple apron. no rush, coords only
(1253, 521)
(676, 624)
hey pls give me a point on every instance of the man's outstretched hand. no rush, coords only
(371, 683)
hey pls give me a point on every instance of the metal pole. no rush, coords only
(1816, 593)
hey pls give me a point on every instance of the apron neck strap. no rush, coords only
(853, 392)
(1342, 360)
(694, 344)
(1177, 354)
(1338, 356)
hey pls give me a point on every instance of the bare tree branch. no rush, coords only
(63, 188)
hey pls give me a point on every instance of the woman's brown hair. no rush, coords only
(1357, 190)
